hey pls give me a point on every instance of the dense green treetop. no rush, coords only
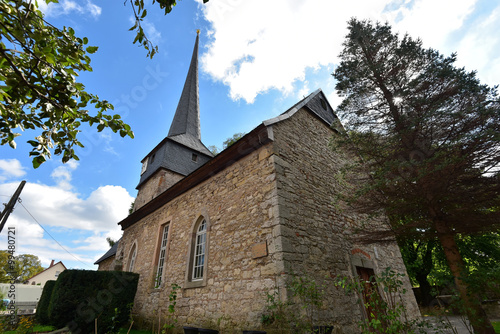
(428, 134)
(21, 268)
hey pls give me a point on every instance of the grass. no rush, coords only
(37, 329)
(496, 326)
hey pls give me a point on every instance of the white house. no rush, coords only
(49, 274)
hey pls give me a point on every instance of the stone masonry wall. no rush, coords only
(107, 264)
(240, 204)
(314, 232)
(157, 184)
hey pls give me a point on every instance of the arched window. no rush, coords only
(160, 264)
(196, 274)
(199, 251)
(131, 259)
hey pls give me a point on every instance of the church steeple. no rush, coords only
(187, 116)
(182, 151)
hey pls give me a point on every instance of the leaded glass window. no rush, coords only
(161, 255)
(199, 251)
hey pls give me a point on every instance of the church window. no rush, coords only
(194, 157)
(162, 255)
(199, 251)
(196, 274)
(132, 257)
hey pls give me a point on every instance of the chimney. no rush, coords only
(51, 263)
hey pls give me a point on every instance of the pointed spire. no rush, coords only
(187, 116)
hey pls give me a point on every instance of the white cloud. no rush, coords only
(80, 224)
(11, 168)
(256, 46)
(67, 7)
(62, 175)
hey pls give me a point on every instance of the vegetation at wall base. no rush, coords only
(82, 296)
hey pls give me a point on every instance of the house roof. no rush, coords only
(256, 138)
(47, 269)
(111, 252)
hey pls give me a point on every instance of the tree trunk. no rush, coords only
(425, 288)
(476, 315)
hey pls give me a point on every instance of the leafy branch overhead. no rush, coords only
(39, 64)
(140, 13)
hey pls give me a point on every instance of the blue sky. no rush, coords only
(257, 58)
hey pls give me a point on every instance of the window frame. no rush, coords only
(144, 166)
(132, 257)
(159, 256)
(190, 280)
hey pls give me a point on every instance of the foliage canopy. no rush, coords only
(38, 89)
(428, 134)
(22, 267)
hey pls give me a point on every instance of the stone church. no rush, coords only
(230, 228)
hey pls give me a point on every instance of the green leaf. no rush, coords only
(92, 49)
(37, 161)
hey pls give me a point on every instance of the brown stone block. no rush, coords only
(259, 250)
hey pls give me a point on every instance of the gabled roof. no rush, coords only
(256, 138)
(111, 252)
(52, 266)
(318, 104)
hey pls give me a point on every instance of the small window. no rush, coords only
(323, 104)
(194, 157)
(161, 256)
(153, 158)
(57, 273)
(33, 283)
(144, 166)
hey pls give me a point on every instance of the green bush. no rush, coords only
(42, 309)
(81, 296)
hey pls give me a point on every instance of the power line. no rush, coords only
(20, 202)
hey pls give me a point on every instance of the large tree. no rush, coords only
(428, 134)
(20, 268)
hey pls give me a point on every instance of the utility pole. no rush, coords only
(10, 206)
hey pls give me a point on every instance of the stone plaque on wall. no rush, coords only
(259, 250)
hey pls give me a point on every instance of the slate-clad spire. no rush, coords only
(187, 116)
(181, 152)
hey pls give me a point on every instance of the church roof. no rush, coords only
(111, 252)
(187, 115)
(316, 103)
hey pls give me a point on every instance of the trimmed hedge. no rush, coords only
(42, 309)
(81, 296)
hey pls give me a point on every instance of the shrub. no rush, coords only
(81, 296)
(42, 310)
